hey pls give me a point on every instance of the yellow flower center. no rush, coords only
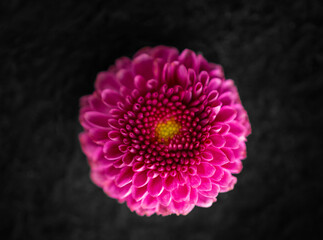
(167, 129)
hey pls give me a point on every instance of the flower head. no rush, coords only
(164, 131)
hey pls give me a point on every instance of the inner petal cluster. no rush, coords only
(164, 136)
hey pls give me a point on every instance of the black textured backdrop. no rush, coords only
(50, 54)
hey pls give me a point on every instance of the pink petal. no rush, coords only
(205, 169)
(182, 76)
(225, 179)
(97, 119)
(229, 186)
(226, 98)
(216, 71)
(195, 181)
(128, 158)
(179, 207)
(152, 173)
(188, 59)
(192, 79)
(192, 170)
(149, 202)
(99, 161)
(168, 73)
(170, 183)
(187, 97)
(152, 84)
(124, 177)
(232, 182)
(144, 50)
(207, 156)
(123, 148)
(114, 135)
(204, 201)
(224, 129)
(215, 83)
(126, 77)
(205, 185)
(155, 186)
(212, 98)
(140, 179)
(240, 152)
(158, 66)
(123, 62)
(181, 193)
(226, 114)
(139, 166)
(110, 97)
(218, 174)
(229, 153)
(217, 140)
(164, 210)
(212, 193)
(216, 106)
(98, 134)
(113, 123)
(105, 80)
(118, 163)
(117, 192)
(85, 124)
(139, 193)
(237, 128)
(203, 63)
(166, 53)
(90, 149)
(215, 129)
(98, 177)
(234, 167)
(140, 83)
(188, 209)
(111, 172)
(193, 196)
(143, 65)
(197, 90)
(111, 150)
(149, 212)
(124, 91)
(219, 158)
(231, 141)
(132, 204)
(181, 177)
(173, 74)
(164, 198)
(97, 105)
(204, 78)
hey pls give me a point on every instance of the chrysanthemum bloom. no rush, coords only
(164, 131)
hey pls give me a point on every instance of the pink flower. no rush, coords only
(164, 131)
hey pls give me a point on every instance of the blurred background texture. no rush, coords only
(50, 54)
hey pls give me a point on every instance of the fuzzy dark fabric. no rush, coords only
(51, 52)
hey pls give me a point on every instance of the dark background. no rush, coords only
(51, 52)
